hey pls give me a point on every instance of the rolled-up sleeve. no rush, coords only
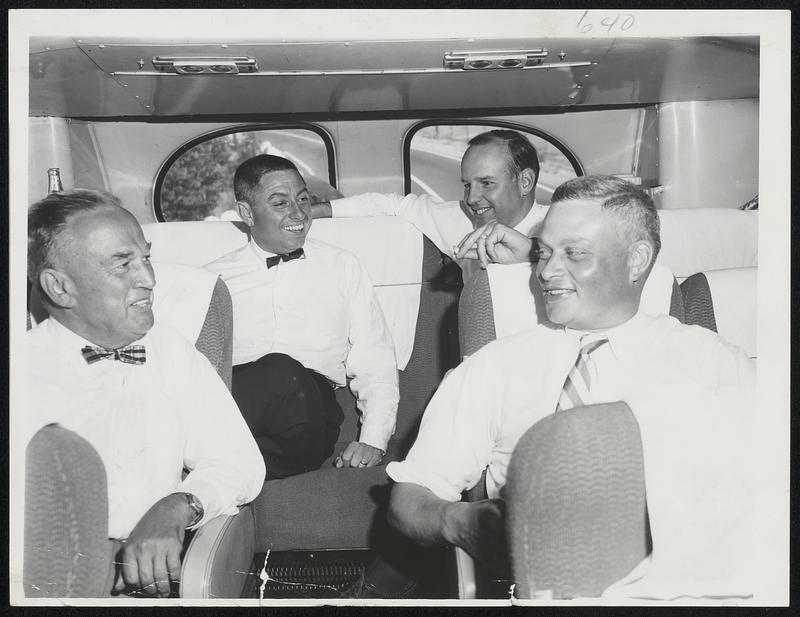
(225, 466)
(457, 434)
(370, 363)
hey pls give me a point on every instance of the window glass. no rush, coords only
(198, 185)
(436, 153)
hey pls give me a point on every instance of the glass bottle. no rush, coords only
(54, 181)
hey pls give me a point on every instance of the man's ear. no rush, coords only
(246, 213)
(640, 256)
(527, 181)
(58, 287)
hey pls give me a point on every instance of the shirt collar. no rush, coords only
(260, 253)
(622, 339)
(73, 342)
(532, 222)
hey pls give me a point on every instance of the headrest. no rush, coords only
(702, 239)
(389, 247)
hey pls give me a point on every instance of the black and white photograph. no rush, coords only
(399, 307)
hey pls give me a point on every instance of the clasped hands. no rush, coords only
(495, 243)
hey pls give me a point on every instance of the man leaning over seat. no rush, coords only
(305, 319)
(598, 243)
(499, 172)
(148, 402)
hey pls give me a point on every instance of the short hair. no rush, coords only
(631, 206)
(249, 173)
(47, 220)
(522, 154)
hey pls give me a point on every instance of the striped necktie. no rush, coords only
(131, 354)
(578, 384)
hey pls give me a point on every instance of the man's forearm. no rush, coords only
(422, 516)
(321, 210)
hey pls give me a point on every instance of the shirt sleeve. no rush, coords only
(458, 430)
(226, 468)
(370, 362)
(442, 222)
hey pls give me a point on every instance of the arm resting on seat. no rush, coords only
(219, 557)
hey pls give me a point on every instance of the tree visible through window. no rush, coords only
(198, 185)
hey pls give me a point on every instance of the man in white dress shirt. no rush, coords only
(305, 319)
(598, 243)
(138, 392)
(499, 172)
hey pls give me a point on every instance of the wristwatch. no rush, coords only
(196, 507)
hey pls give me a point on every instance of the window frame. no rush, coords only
(501, 124)
(327, 141)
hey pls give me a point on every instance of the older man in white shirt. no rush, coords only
(305, 319)
(597, 246)
(499, 172)
(145, 399)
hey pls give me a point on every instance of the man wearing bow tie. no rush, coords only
(138, 392)
(305, 320)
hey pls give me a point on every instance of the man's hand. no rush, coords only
(495, 243)
(151, 556)
(320, 209)
(479, 528)
(357, 454)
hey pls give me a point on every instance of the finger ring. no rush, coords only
(484, 236)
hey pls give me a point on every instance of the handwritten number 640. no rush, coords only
(585, 25)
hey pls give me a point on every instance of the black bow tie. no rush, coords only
(132, 354)
(295, 254)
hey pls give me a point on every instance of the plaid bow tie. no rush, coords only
(295, 254)
(131, 354)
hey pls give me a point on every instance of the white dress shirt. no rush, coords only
(483, 407)
(147, 422)
(693, 395)
(322, 311)
(443, 222)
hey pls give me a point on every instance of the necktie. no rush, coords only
(131, 354)
(578, 384)
(295, 254)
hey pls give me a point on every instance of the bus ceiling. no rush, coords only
(97, 78)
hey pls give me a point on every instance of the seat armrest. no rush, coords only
(465, 574)
(219, 557)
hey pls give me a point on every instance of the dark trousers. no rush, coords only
(291, 411)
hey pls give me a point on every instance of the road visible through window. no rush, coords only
(436, 153)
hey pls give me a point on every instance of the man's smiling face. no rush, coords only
(583, 267)
(280, 216)
(491, 189)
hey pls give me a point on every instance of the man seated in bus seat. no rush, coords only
(138, 392)
(499, 171)
(305, 319)
(598, 243)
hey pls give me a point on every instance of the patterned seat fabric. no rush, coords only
(67, 552)
(215, 340)
(576, 509)
(697, 301)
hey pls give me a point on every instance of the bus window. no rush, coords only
(435, 151)
(196, 183)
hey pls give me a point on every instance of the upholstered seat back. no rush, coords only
(725, 301)
(575, 499)
(67, 553)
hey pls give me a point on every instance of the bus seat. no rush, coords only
(334, 508)
(575, 499)
(67, 553)
(725, 301)
(701, 239)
